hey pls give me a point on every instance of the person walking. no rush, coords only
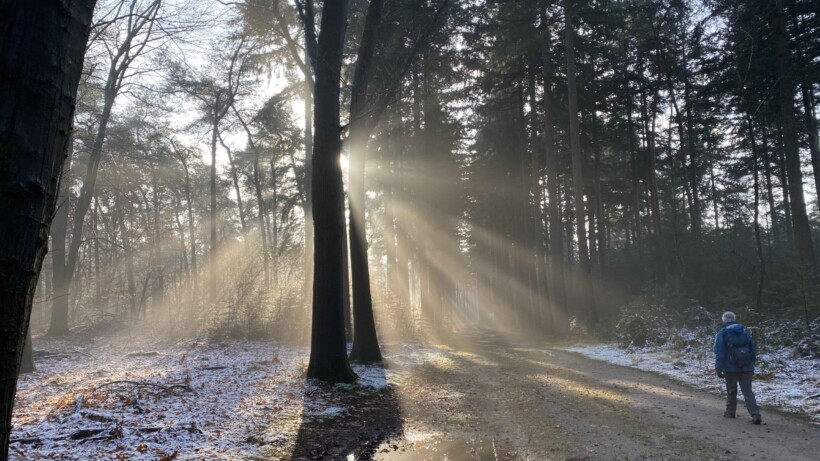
(735, 357)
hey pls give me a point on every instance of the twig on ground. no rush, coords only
(143, 354)
(166, 388)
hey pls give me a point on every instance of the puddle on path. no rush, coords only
(442, 449)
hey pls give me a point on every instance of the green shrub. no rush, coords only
(643, 322)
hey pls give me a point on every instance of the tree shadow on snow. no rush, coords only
(356, 420)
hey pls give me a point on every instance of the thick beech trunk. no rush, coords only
(365, 342)
(328, 355)
(40, 63)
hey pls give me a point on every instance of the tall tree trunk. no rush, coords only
(260, 202)
(692, 169)
(61, 280)
(365, 342)
(767, 171)
(800, 219)
(191, 235)
(212, 224)
(809, 119)
(235, 180)
(585, 293)
(652, 179)
(129, 274)
(273, 223)
(756, 212)
(784, 187)
(714, 196)
(158, 293)
(600, 215)
(555, 286)
(27, 364)
(328, 355)
(261, 213)
(95, 213)
(89, 186)
(37, 97)
(633, 167)
(539, 244)
(686, 145)
(308, 283)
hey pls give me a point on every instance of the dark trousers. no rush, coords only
(745, 380)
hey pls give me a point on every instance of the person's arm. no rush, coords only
(720, 352)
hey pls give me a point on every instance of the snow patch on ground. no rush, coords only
(780, 381)
(329, 412)
(189, 400)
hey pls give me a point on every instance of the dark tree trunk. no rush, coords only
(714, 195)
(800, 219)
(328, 355)
(365, 342)
(212, 224)
(538, 249)
(308, 284)
(59, 272)
(585, 294)
(260, 202)
(633, 167)
(809, 119)
(600, 215)
(758, 240)
(555, 284)
(37, 96)
(652, 180)
(767, 171)
(693, 173)
(191, 236)
(261, 213)
(784, 186)
(235, 180)
(27, 364)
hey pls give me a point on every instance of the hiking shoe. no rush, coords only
(726, 414)
(756, 419)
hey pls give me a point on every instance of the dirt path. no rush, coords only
(489, 400)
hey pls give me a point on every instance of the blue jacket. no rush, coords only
(722, 351)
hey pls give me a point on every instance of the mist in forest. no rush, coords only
(442, 188)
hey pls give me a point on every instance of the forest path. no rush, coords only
(487, 399)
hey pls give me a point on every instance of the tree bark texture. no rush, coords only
(328, 355)
(365, 341)
(40, 65)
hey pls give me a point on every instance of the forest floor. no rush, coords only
(483, 398)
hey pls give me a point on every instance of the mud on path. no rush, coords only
(487, 400)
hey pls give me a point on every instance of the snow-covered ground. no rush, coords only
(782, 381)
(102, 400)
(113, 399)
